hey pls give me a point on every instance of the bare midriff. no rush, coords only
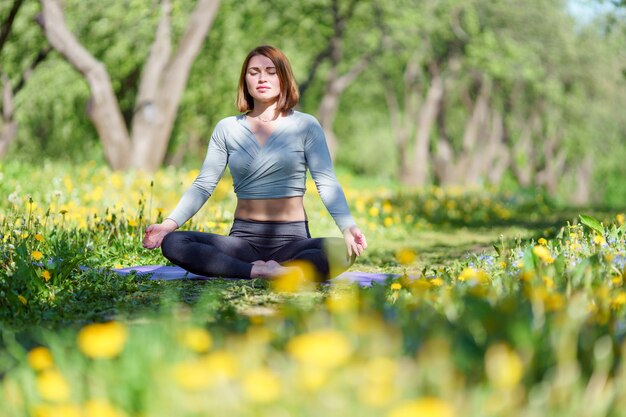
(272, 209)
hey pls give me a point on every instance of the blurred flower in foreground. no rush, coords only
(423, 407)
(102, 340)
(321, 348)
(57, 410)
(52, 386)
(101, 408)
(197, 339)
(296, 277)
(261, 386)
(503, 366)
(543, 253)
(40, 358)
(406, 256)
(473, 276)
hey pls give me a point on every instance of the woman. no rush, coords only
(268, 149)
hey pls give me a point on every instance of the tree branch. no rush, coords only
(8, 23)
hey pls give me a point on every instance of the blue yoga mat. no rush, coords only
(168, 273)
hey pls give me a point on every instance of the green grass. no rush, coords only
(515, 308)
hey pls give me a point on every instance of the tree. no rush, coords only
(8, 124)
(143, 144)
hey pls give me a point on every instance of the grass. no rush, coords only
(518, 308)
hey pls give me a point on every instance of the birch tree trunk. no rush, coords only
(163, 82)
(103, 108)
(8, 126)
(161, 86)
(403, 117)
(583, 173)
(426, 121)
(470, 159)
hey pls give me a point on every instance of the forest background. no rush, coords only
(520, 95)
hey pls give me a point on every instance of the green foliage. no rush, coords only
(535, 56)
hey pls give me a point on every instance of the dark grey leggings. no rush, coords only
(210, 254)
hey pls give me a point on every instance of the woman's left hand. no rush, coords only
(355, 241)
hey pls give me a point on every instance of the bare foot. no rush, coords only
(269, 269)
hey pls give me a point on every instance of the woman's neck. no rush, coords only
(267, 111)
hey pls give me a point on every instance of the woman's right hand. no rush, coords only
(156, 232)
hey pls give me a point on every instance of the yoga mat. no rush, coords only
(168, 273)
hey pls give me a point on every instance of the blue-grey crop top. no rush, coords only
(275, 170)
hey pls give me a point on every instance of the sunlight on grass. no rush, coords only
(489, 311)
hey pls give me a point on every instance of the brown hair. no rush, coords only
(289, 94)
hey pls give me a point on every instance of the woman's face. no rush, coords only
(262, 80)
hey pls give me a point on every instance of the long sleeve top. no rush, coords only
(275, 170)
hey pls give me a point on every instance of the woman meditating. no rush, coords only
(268, 149)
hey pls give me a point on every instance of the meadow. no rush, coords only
(497, 304)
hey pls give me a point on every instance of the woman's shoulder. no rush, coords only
(305, 118)
(229, 123)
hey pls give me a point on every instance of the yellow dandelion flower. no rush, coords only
(321, 348)
(297, 277)
(197, 339)
(396, 286)
(543, 253)
(388, 222)
(620, 218)
(427, 406)
(36, 255)
(599, 240)
(436, 282)
(618, 300)
(46, 275)
(503, 366)
(374, 211)
(102, 340)
(387, 207)
(261, 386)
(406, 256)
(22, 299)
(101, 408)
(554, 302)
(39, 238)
(473, 275)
(52, 386)
(40, 358)
(542, 241)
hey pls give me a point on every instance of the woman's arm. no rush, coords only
(332, 195)
(194, 198)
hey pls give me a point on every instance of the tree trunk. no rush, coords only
(524, 146)
(470, 162)
(161, 87)
(8, 126)
(584, 171)
(163, 82)
(103, 108)
(427, 118)
(497, 153)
